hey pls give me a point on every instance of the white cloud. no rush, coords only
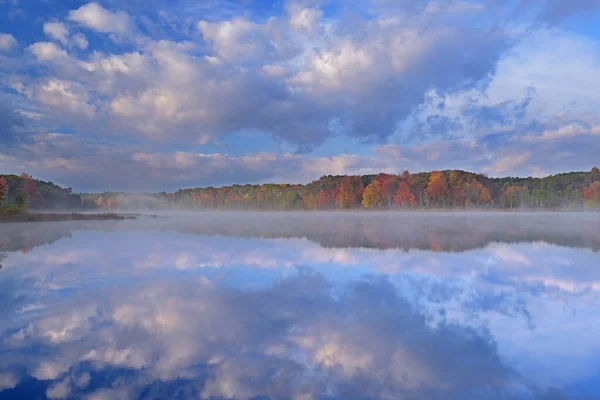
(60, 390)
(48, 370)
(58, 31)
(7, 381)
(370, 78)
(7, 42)
(509, 163)
(565, 131)
(304, 19)
(47, 51)
(97, 18)
(338, 68)
(80, 41)
(238, 40)
(66, 96)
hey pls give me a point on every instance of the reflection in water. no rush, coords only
(192, 308)
(425, 231)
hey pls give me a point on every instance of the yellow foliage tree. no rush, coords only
(372, 197)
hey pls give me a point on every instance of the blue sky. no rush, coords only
(159, 95)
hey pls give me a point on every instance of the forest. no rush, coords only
(450, 189)
(23, 190)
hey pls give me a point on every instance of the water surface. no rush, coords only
(302, 306)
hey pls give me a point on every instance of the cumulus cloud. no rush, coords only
(375, 77)
(305, 19)
(7, 42)
(66, 96)
(343, 339)
(95, 17)
(48, 51)
(238, 39)
(58, 31)
(80, 41)
(347, 81)
(8, 381)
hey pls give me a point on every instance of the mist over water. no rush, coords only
(302, 306)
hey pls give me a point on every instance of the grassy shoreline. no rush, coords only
(13, 215)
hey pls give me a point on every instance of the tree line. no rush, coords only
(24, 191)
(450, 189)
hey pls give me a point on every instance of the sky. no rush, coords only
(152, 95)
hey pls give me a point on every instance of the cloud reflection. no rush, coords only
(154, 309)
(290, 340)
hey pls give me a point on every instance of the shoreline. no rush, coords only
(58, 217)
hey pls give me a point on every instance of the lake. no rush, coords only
(302, 306)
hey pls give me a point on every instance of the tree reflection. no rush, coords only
(436, 232)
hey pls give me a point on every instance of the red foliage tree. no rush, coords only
(326, 198)
(404, 197)
(388, 189)
(591, 194)
(34, 198)
(347, 196)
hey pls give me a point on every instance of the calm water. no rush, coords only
(302, 306)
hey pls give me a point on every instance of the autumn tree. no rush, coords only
(34, 197)
(406, 176)
(3, 188)
(515, 196)
(591, 195)
(418, 185)
(592, 176)
(326, 198)
(404, 197)
(476, 193)
(349, 192)
(437, 189)
(372, 197)
(485, 197)
(389, 186)
(309, 201)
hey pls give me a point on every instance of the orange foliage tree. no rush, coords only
(476, 193)
(437, 189)
(3, 188)
(404, 197)
(349, 192)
